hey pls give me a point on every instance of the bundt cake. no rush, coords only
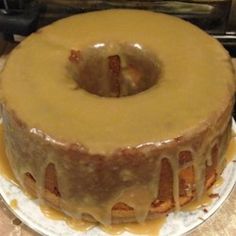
(118, 115)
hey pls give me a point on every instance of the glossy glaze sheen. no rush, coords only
(111, 150)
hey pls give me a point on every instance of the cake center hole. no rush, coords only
(114, 70)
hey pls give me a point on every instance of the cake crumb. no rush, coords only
(205, 210)
(16, 221)
(214, 195)
(114, 64)
(74, 56)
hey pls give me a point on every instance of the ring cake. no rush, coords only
(119, 115)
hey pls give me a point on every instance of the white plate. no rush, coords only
(29, 213)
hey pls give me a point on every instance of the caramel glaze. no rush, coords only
(148, 228)
(5, 168)
(14, 203)
(160, 178)
(126, 159)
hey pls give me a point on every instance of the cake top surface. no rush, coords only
(195, 84)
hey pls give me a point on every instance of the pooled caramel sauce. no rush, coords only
(219, 181)
(5, 168)
(151, 227)
(54, 214)
(30, 196)
(204, 201)
(206, 198)
(231, 150)
(14, 203)
(79, 225)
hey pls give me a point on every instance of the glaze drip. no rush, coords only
(138, 186)
(98, 159)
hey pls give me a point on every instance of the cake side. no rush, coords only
(108, 188)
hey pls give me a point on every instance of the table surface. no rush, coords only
(222, 223)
